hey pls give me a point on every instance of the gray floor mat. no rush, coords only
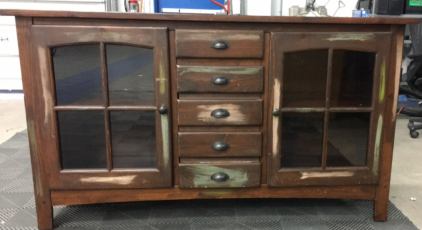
(17, 208)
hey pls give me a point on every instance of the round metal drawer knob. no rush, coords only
(219, 177)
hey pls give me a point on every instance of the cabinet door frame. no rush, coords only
(46, 37)
(378, 43)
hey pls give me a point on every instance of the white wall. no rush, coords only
(331, 6)
(263, 7)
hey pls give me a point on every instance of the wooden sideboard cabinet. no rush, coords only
(135, 107)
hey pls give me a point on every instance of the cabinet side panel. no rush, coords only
(42, 192)
(387, 141)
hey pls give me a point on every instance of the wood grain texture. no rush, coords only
(198, 113)
(240, 175)
(43, 203)
(199, 79)
(291, 42)
(388, 131)
(45, 37)
(209, 18)
(198, 144)
(76, 197)
(242, 44)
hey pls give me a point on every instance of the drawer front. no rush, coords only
(219, 175)
(219, 43)
(220, 112)
(236, 79)
(220, 144)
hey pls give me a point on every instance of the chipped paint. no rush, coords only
(307, 175)
(106, 35)
(165, 137)
(236, 116)
(202, 176)
(217, 192)
(382, 83)
(48, 100)
(162, 78)
(227, 36)
(120, 180)
(276, 120)
(305, 110)
(221, 70)
(377, 146)
(33, 143)
(351, 37)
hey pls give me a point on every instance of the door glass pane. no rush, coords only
(130, 75)
(77, 74)
(301, 139)
(304, 78)
(133, 139)
(352, 79)
(348, 139)
(82, 139)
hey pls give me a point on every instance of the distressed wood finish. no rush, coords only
(72, 197)
(377, 43)
(184, 64)
(240, 175)
(199, 144)
(198, 113)
(197, 43)
(199, 79)
(155, 38)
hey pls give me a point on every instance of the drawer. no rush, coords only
(220, 112)
(220, 175)
(220, 144)
(230, 79)
(219, 44)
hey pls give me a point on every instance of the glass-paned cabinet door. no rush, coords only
(105, 93)
(328, 96)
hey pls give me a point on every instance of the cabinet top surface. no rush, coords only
(208, 18)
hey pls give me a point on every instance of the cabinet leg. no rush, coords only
(381, 206)
(44, 213)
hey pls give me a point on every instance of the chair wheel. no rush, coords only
(410, 125)
(414, 134)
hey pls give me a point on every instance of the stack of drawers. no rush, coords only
(216, 104)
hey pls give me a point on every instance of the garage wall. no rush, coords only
(10, 72)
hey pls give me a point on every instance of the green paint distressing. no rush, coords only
(382, 83)
(202, 176)
(351, 37)
(227, 70)
(162, 79)
(219, 192)
(377, 146)
(165, 135)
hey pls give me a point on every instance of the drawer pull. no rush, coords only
(220, 113)
(276, 112)
(220, 45)
(220, 80)
(220, 146)
(219, 177)
(162, 110)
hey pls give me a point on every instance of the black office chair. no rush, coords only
(413, 79)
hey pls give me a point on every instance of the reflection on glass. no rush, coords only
(130, 75)
(133, 139)
(77, 74)
(82, 139)
(304, 78)
(347, 139)
(352, 79)
(302, 136)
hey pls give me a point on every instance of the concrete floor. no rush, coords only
(406, 178)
